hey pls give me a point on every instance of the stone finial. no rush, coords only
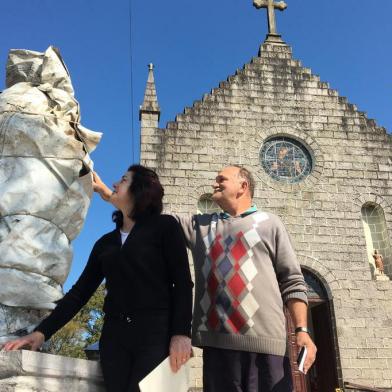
(271, 5)
(150, 102)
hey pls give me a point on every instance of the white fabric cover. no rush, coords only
(45, 178)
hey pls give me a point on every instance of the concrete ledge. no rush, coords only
(29, 371)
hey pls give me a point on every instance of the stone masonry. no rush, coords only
(30, 371)
(275, 95)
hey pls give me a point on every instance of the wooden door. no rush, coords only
(322, 377)
(325, 365)
(299, 381)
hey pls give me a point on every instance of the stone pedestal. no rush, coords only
(382, 277)
(28, 371)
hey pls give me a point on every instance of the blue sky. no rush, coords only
(194, 45)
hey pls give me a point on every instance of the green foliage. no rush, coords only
(81, 331)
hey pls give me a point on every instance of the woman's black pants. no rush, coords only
(129, 350)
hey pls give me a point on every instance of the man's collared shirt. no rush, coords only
(250, 210)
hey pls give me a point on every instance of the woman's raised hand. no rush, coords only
(33, 341)
(100, 187)
(180, 351)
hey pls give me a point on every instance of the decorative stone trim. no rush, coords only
(198, 191)
(324, 274)
(360, 199)
(294, 133)
(194, 196)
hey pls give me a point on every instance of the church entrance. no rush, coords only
(322, 377)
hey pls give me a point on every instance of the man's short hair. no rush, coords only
(248, 177)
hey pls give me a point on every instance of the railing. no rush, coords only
(362, 388)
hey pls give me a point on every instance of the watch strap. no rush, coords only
(301, 329)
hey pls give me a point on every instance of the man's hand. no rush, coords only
(33, 341)
(298, 311)
(100, 187)
(180, 351)
(303, 339)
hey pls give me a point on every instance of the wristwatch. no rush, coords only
(301, 329)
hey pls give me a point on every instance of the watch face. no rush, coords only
(286, 160)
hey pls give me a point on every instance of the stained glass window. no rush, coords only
(286, 160)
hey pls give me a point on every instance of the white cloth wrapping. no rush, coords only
(45, 178)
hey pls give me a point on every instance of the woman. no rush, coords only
(148, 305)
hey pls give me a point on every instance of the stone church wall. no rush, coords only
(274, 95)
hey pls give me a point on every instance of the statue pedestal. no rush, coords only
(29, 371)
(381, 277)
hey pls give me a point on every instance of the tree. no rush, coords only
(83, 330)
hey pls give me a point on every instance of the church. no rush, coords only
(325, 169)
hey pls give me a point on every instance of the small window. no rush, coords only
(206, 205)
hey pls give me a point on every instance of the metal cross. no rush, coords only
(270, 5)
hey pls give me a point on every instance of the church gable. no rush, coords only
(275, 87)
(270, 95)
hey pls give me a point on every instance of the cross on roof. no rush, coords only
(271, 6)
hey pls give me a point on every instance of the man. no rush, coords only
(245, 271)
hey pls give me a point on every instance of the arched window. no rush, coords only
(377, 239)
(206, 205)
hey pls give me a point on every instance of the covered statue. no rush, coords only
(45, 186)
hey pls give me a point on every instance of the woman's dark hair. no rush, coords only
(147, 193)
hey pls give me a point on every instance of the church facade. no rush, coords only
(325, 169)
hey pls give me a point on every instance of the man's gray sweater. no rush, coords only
(245, 269)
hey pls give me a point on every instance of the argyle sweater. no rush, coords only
(245, 269)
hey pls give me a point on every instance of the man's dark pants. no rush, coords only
(240, 371)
